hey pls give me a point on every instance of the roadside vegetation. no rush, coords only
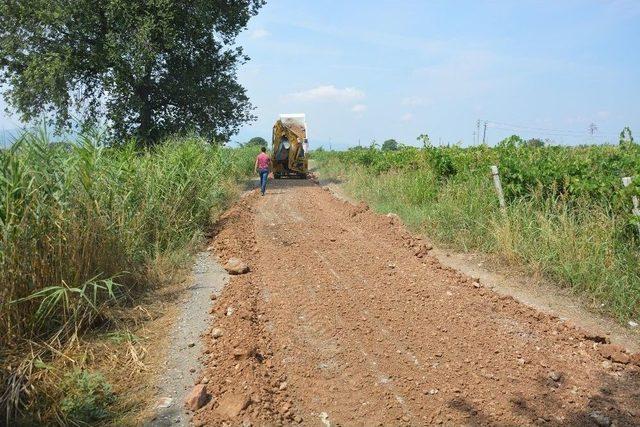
(567, 214)
(86, 229)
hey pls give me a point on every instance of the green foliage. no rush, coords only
(589, 172)
(534, 143)
(567, 214)
(425, 140)
(256, 141)
(156, 67)
(390, 145)
(626, 138)
(87, 398)
(82, 224)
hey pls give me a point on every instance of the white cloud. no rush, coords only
(259, 33)
(414, 101)
(407, 117)
(359, 108)
(329, 93)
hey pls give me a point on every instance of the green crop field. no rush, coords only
(567, 213)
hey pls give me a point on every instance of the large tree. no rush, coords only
(390, 145)
(146, 67)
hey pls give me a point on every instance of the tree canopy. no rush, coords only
(256, 141)
(626, 137)
(390, 145)
(144, 68)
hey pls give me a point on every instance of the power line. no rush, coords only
(546, 131)
(568, 135)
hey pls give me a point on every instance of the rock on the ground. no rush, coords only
(231, 404)
(614, 353)
(244, 352)
(164, 402)
(422, 249)
(236, 266)
(600, 419)
(216, 333)
(555, 376)
(197, 398)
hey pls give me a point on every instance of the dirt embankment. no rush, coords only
(345, 318)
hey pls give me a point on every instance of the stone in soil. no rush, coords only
(216, 333)
(244, 352)
(164, 402)
(231, 404)
(600, 419)
(614, 353)
(555, 376)
(422, 250)
(236, 266)
(197, 398)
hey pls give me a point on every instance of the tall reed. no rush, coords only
(82, 223)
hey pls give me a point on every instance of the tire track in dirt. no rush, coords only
(340, 322)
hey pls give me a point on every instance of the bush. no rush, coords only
(87, 398)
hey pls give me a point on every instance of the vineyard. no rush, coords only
(567, 213)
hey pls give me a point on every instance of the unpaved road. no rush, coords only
(339, 322)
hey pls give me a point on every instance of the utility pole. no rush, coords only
(593, 128)
(484, 133)
(474, 138)
(477, 133)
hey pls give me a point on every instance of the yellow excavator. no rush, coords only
(290, 147)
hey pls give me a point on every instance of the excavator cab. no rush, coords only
(290, 146)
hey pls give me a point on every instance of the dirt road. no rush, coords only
(345, 319)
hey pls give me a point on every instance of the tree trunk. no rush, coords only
(145, 127)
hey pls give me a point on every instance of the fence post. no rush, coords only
(498, 185)
(626, 181)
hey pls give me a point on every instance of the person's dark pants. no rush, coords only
(264, 173)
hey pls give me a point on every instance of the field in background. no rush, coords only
(567, 215)
(85, 228)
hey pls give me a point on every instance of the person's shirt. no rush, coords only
(263, 161)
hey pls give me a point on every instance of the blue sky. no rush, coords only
(378, 69)
(364, 70)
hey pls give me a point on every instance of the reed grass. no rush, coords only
(85, 226)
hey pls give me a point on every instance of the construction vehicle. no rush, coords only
(290, 147)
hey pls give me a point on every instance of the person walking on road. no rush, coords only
(262, 167)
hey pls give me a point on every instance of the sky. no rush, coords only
(365, 70)
(378, 69)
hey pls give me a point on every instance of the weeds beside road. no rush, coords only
(87, 227)
(567, 214)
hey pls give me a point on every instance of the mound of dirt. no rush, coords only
(346, 318)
